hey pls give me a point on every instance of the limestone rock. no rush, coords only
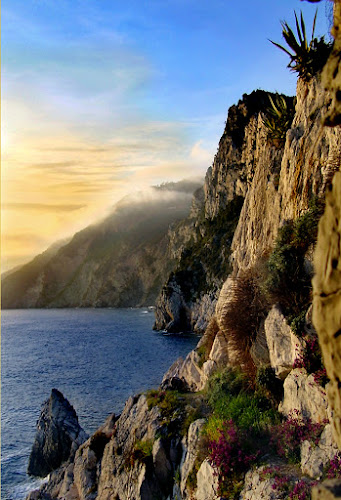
(256, 488)
(327, 296)
(58, 435)
(328, 490)
(207, 483)
(171, 312)
(162, 466)
(331, 75)
(314, 458)
(284, 346)
(190, 451)
(187, 372)
(302, 393)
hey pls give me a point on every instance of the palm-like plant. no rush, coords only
(278, 118)
(308, 57)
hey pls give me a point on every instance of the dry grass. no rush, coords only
(243, 316)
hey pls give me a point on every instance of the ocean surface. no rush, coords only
(96, 357)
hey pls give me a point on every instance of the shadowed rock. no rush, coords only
(58, 435)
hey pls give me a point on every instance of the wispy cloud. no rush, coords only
(42, 207)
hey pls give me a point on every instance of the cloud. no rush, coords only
(25, 239)
(42, 207)
(201, 154)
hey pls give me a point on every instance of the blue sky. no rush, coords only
(104, 97)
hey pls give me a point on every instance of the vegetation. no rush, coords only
(287, 282)
(141, 452)
(278, 118)
(170, 403)
(245, 311)
(306, 58)
(311, 360)
(206, 257)
(235, 430)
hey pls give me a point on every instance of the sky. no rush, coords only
(102, 98)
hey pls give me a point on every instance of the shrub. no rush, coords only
(228, 382)
(284, 484)
(287, 281)
(231, 458)
(311, 360)
(171, 404)
(278, 118)
(298, 323)
(231, 398)
(244, 313)
(268, 384)
(308, 58)
(288, 435)
(142, 451)
(333, 469)
(301, 490)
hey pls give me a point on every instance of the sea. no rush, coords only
(96, 357)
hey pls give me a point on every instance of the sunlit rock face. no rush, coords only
(327, 296)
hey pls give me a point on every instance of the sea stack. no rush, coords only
(58, 435)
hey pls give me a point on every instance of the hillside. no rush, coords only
(119, 262)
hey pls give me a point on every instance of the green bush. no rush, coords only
(232, 398)
(268, 384)
(278, 118)
(227, 382)
(141, 452)
(287, 281)
(170, 403)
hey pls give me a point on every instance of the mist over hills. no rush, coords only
(122, 261)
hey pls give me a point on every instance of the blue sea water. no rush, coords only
(96, 357)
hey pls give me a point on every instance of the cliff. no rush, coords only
(246, 414)
(203, 242)
(120, 262)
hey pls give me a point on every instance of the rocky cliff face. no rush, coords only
(121, 262)
(203, 242)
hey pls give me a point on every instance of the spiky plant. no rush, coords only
(279, 116)
(308, 58)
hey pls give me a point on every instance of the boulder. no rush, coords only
(314, 458)
(58, 435)
(283, 345)
(207, 482)
(328, 490)
(190, 452)
(162, 466)
(302, 393)
(256, 487)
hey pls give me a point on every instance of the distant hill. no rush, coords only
(122, 261)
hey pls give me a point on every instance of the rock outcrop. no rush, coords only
(58, 435)
(284, 346)
(303, 394)
(314, 457)
(327, 296)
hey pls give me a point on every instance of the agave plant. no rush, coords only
(307, 58)
(278, 118)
